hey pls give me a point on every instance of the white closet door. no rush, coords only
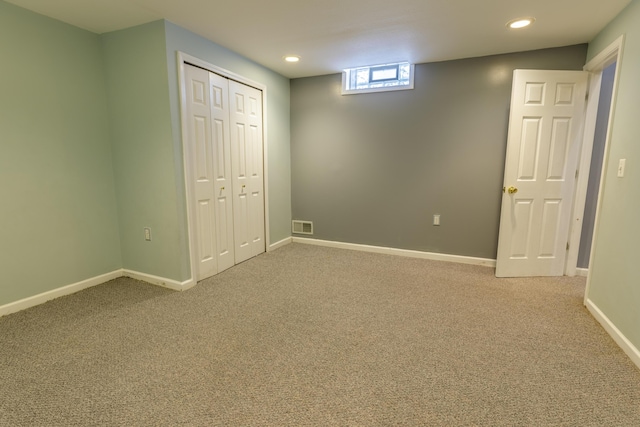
(200, 161)
(222, 186)
(225, 170)
(247, 169)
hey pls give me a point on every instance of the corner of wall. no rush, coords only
(145, 159)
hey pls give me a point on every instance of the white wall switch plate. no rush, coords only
(436, 220)
(147, 234)
(621, 165)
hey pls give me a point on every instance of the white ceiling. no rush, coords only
(331, 35)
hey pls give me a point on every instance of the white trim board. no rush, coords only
(622, 341)
(160, 281)
(38, 299)
(401, 252)
(279, 244)
(583, 272)
(32, 301)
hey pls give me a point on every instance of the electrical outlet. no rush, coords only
(147, 234)
(436, 220)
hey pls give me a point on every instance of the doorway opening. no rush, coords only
(595, 170)
(604, 70)
(522, 252)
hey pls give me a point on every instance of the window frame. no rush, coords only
(395, 67)
(347, 75)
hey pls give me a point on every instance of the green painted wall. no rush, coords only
(615, 280)
(91, 150)
(144, 111)
(58, 205)
(143, 152)
(278, 127)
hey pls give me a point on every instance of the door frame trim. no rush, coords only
(595, 67)
(184, 58)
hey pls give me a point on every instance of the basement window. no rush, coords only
(377, 78)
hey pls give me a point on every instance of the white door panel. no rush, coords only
(247, 169)
(206, 222)
(224, 158)
(200, 157)
(223, 185)
(545, 123)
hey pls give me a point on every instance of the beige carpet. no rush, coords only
(310, 336)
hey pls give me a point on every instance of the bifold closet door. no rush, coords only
(247, 168)
(209, 164)
(225, 165)
(223, 183)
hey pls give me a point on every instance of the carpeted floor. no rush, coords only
(311, 336)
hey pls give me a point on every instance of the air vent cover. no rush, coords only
(301, 227)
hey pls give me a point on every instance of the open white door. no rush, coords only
(545, 125)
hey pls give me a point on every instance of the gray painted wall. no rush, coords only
(595, 170)
(375, 168)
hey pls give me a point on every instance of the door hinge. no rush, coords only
(567, 245)
(577, 171)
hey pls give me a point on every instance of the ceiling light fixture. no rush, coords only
(520, 23)
(292, 58)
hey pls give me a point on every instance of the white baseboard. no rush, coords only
(401, 252)
(584, 272)
(280, 244)
(29, 302)
(626, 345)
(160, 281)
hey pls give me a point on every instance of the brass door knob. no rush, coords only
(512, 190)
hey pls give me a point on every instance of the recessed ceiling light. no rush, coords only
(520, 23)
(292, 58)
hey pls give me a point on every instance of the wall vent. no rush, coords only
(301, 227)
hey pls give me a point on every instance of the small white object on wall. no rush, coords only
(621, 165)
